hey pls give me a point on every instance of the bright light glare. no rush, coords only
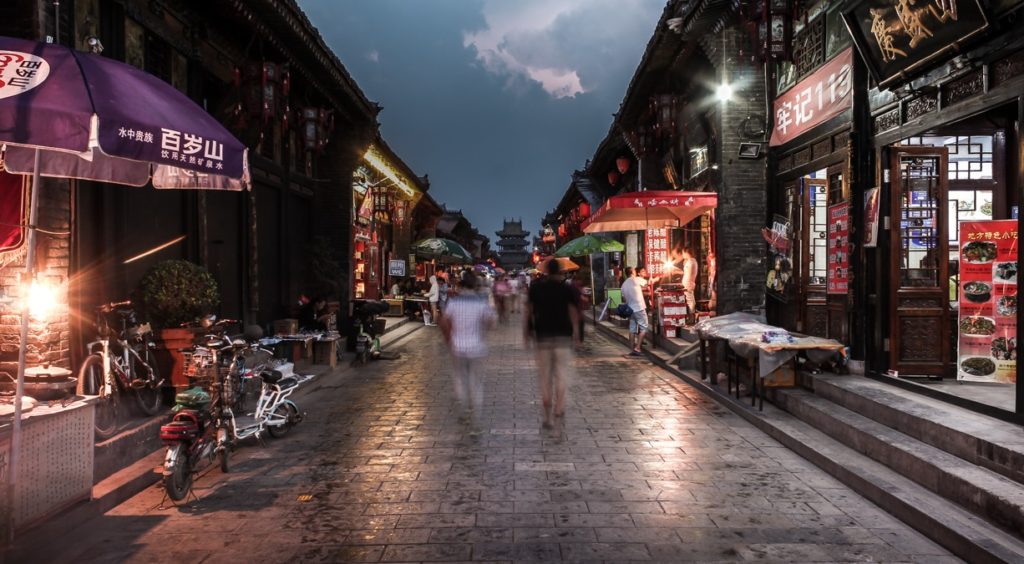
(724, 92)
(669, 265)
(375, 159)
(42, 296)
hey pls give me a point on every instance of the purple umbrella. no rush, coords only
(69, 114)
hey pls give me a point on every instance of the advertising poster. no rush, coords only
(838, 248)
(987, 344)
(871, 218)
(657, 251)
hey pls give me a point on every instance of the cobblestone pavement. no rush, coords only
(643, 468)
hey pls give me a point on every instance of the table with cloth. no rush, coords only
(742, 332)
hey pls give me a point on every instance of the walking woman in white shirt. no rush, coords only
(433, 295)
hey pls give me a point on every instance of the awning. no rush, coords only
(635, 211)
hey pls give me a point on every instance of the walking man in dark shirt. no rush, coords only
(552, 321)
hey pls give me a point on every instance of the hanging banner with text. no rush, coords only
(814, 100)
(657, 251)
(838, 248)
(987, 344)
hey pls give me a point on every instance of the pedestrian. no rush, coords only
(501, 297)
(690, 269)
(443, 293)
(551, 321)
(433, 295)
(464, 323)
(633, 296)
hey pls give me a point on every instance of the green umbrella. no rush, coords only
(589, 244)
(444, 250)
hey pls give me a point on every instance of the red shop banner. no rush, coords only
(814, 100)
(838, 276)
(657, 251)
(987, 344)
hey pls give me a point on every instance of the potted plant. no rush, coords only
(174, 293)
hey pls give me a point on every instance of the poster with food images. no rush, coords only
(838, 249)
(987, 344)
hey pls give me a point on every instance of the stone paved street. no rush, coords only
(643, 468)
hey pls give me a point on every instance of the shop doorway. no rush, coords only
(950, 274)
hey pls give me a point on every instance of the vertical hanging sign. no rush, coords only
(838, 248)
(657, 251)
(987, 344)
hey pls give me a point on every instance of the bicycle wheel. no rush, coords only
(287, 412)
(90, 383)
(148, 394)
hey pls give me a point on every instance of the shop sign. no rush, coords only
(871, 217)
(987, 325)
(366, 209)
(899, 37)
(672, 311)
(396, 267)
(838, 279)
(824, 94)
(657, 251)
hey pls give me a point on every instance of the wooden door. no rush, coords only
(919, 254)
(814, 257)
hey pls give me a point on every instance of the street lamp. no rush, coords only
(724, 92)
(41, 298)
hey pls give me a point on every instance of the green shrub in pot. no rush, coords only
(177, 291)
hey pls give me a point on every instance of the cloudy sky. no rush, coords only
(497, 100)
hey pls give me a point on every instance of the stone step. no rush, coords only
(984, 492)
(976, 438)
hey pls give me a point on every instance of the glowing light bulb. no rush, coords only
(723, 92)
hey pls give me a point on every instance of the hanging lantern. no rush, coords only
(584, 210)
(316, 125)
(360, 246)
(778, 19)
(613, 177)
(264, 87)
(622, 163)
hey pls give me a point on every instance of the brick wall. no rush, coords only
(49, 340)
(741, 183)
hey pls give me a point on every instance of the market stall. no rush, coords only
(670, 220)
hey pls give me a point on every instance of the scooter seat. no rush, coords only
(287, 382)
(272, 376)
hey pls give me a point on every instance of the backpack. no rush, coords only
(624, 311)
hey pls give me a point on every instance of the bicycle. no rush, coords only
(120, 360)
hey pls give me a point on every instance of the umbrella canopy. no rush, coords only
(566, 264)
(587, 245)
(652, 209)
(95, 118)
(444, 250)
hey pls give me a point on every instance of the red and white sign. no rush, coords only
(672, 312)
(987, 326)
(657, 251)
(635, 211)
(21, 72)
(815, 99)
(838, 277)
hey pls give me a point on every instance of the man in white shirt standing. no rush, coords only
(633, 296)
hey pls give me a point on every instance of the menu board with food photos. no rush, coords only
(838, 249)
(987, 346)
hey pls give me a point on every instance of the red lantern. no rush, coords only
(360, 246)
(613, 177)
(622, 163)
(584, 210)
(561, 230)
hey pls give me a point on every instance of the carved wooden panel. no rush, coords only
(822, 148)
(837, 325)
(922, 303)
(971, 84)
(816, 323)
(1005, 69)
(918, 342)
(802, 157)
(888, 120)
(921, 105)
(786, 163)
(839, 140)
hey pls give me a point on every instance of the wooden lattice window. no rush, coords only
(809, 47)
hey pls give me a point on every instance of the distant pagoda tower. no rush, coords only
(512, 244)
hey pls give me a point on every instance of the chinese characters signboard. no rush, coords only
(21, 72)
(899, 37)
(396, 267)
(987, 344)
(657, 251)
(838, 278)
(816, 99)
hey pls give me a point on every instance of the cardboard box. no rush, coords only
(782, 377)
(286, 326)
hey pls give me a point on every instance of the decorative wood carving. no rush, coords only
(822, 148)
(817, 322)
(786, 163)
(920, 106)
(924, 303)
(1005, 69)
(971, 84)
(888, 120)
(839, 140)
(917, 339)
(802, 157)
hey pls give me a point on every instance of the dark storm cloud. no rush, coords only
(497, 100)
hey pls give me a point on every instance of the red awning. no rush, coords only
(653, 209)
